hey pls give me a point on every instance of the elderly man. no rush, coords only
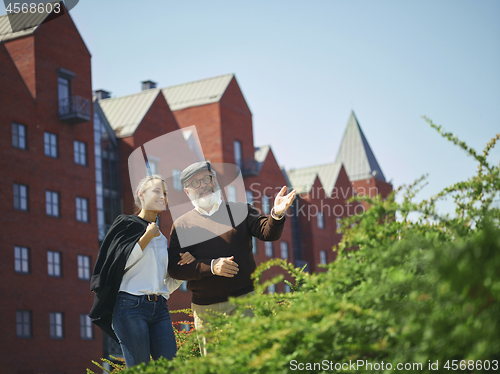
(224, 259)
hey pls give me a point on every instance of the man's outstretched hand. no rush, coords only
(282, 201)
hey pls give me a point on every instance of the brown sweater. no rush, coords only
(211, 237)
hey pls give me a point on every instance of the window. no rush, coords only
(80, 149)
(82, 209)
(23, 324)
(338, 225)
(271, 289)
(50, 144)
(269, 249)
(231, 194)
(237, 154)
(265, 204)
(321, 224)
(19, 136)
(176, 175)
(52, 203)
(21, 260)
(63, 85)
(86, 329)
(20, 197)
(254, 245)
(185, 327)
(287, 288)
(183, 286)
(284, 250)
(249, 197)
(83, 267)
(54, 263)
(322, 257)
(56, 325)
(152, 165)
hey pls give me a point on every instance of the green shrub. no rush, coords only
(420, 291)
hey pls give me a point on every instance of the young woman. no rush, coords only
(131, 282)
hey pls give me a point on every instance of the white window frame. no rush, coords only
(176, 177)
(321, 222)
(284, 250)
(266, 204)
(231, 193)
(24, 328)
(50, 144)
(19, 136)
(20, 197)
(249, 197)
(21, 260)
(83, 267)
(52, 203)
(254, 245)
(322, 257)
(56, 321)
(82, 209)
(86, 328)
(238, 154)
(269, 249)
(54, 264)
(80, 152)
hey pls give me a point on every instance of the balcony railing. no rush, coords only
(249, 167)
(75, 109)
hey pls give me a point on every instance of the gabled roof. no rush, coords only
(302, 179)
(202, 92)
(16, 25)
(260, 155)
(125, 113)
(302, 182)
(356, 155)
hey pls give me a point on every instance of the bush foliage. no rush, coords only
(420, 290)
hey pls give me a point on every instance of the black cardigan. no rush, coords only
(110, 267)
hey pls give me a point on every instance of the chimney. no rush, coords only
(101, 94)
(146, 85)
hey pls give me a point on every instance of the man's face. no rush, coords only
(197, 186)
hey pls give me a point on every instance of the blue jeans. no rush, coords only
(143, 328)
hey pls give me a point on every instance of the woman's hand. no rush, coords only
(152, 231)
(186, 258)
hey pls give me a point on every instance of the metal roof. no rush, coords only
(125, 113)
(356, 155)
(260, 155)
(302, 182)
(303, 179)
(202, 92)
(16, 25)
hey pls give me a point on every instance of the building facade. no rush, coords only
(66, 175)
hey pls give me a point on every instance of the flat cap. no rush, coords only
(192, 169)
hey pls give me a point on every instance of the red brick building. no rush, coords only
(66, 174)
(49, 232)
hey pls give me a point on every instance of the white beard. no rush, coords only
(205, 202)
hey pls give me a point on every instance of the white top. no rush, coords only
(149, 274)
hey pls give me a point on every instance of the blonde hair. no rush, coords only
(142, 186)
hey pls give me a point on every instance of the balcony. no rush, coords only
(249, 168)
(75, 109)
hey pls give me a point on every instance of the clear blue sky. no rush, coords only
(304, 65)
